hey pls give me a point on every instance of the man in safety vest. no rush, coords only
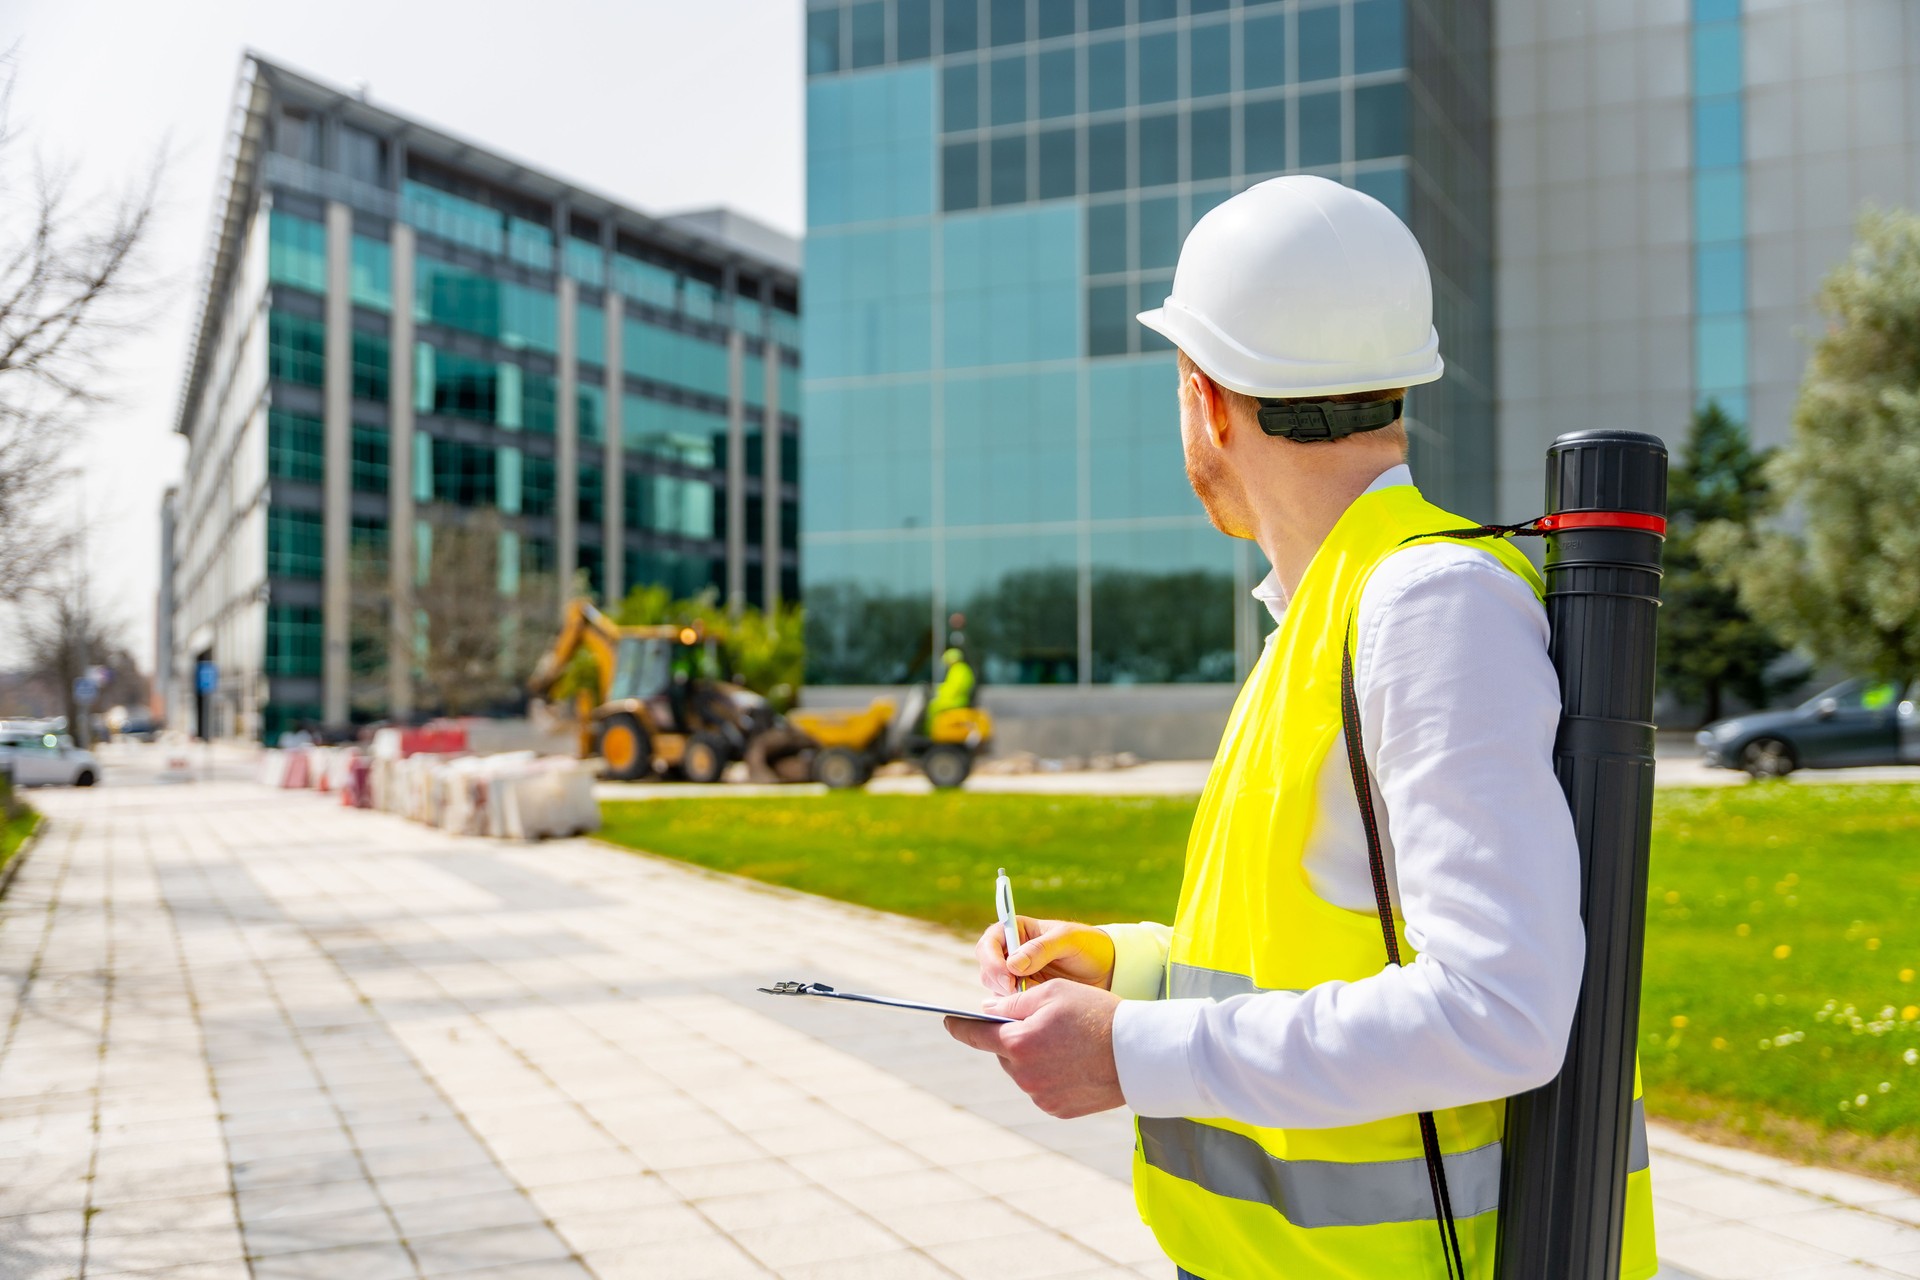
(1378, 938)
(956, 686)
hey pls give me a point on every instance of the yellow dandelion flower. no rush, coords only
(1910, 1013)
(1782, 951)
(1873, 944)
(1679, 1020)
(1743, 928)
(1719, 1042)
(1906, 975)
(1673, 896)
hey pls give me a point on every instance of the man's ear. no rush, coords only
(1212, 405)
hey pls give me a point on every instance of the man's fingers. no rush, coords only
(984, 1036)
(1023, 1004)
(1038, 952)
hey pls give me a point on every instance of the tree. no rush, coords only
(1709, 644)
(63, 640)
(1846, 589)
(483, 628)
(765, 652)
(71, 286)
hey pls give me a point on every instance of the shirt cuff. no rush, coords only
(1151, 1043)
(1139, 959)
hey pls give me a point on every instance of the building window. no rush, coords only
(295, 640)
(467, 475)
(591, 411)
(370, 458)
(296, 252)
(530, 243)
(371, 356)
(453, 217)
(536, 486)
(370, 275)
(296, 543)
(296, 446)
(363, 157)
(369, 547)
(823, 41)
(296, 348)
(540, 392)
(591, 505)
(513, 314)
(456, 386)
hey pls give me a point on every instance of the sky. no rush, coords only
(665, 104)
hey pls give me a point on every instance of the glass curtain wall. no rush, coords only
(995, 188)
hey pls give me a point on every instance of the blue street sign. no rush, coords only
(85, 690)
(206, 677)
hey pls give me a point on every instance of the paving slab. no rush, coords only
(252, 1033)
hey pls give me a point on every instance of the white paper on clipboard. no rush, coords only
(827, 992)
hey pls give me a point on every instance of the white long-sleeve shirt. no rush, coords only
(1458, 710)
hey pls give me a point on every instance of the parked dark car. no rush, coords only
(1857, 722)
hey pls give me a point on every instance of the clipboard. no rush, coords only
(823, 990)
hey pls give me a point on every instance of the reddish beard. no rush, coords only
(1218, 494)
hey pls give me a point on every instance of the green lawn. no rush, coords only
(14, 831)
(1783, 933)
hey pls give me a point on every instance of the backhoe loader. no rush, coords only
(656, 704)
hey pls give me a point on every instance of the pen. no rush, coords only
(1009, 923)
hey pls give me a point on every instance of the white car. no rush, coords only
(47, 759)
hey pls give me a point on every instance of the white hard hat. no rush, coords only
(1302, 287)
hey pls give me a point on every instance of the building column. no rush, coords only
(400, 510)
(613, 550)
(336, 618)
(736, 451)
(566, 442)
(770, 448)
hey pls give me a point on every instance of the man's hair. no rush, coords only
(1250, 405)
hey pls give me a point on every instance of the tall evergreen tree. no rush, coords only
(1709, 645)
(1847, 589)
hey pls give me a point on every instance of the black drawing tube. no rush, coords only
(1564, 1173)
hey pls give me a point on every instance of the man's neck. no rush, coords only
(1298, 507)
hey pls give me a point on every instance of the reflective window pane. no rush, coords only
(869, 33)
(1716, 59)
(1102, 14)
(1108, 321)
(1319, 44)
(1159, 150)
(1265, 125)
(1388, 186)
(1379, 35)
(1158, 10)
(1059, 84)
(1008, 84)
(1210, 59)
(1319, 128)
(1162, 600)
(1106, 75)
(1210, 144)
(1009, 21)
(1263, 51)
(960, 26)
(1008, 162)
(1207, 6)
(1716, 133)
(960, 176)
(1107, 157)
(1379, 121)
(1107, 238)
(823, 41)
(960, 96)
(1058, 17)
(1059, 164)
(913, 29)
(1719, 205)
(1159, 68)
(1721, 280)
(1159, 232)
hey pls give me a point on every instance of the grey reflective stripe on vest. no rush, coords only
(1333, 1193)
(1190, 982)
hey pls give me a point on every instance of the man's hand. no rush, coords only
(1060, 1052)
(1053, 949)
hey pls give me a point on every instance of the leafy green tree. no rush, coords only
(1709, 644)
(1846, 588)
(765, 652)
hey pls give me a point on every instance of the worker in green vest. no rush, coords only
(1378, 938)
(956, 686)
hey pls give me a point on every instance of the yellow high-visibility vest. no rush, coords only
(1233, 1201)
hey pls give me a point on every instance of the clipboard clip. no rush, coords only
(798, 989)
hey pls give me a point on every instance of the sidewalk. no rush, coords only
(243, 1024)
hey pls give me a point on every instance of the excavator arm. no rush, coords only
(584, 625)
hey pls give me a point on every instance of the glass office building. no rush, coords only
(401, 328)
(995, 188)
